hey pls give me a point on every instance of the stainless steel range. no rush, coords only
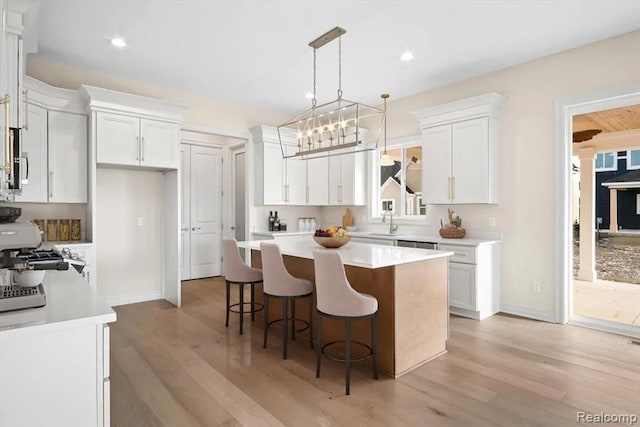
(18, 255)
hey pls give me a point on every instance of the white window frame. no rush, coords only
(629, 165)
(375, 203)
(638, 203)
(615, 161)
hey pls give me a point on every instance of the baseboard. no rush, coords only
(531, 313)
(132, 299)
(606, 326)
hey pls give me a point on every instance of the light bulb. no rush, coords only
(385, 160)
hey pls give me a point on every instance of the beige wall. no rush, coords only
(526, 213)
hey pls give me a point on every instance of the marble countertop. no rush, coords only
(354, 254)
(71, 301)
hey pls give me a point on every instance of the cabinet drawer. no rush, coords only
(464, 254)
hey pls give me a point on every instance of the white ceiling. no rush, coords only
(257, 53)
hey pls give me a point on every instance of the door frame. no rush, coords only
(231, 151)
(565, 109)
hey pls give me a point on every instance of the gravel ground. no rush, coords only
(614, 261)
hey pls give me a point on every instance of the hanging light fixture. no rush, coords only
(334, 128)
(385, 159)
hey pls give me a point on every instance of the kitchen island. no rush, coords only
(411, 286)
(54, 360)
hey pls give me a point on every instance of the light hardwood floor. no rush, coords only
(182, 367)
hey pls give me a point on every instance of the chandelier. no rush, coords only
(333, 128)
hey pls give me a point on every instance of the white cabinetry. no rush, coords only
(474, 279)
(34, 143)
(460, 145)
(201, 228)
(347, 179)
(67, 157)
(132, 141)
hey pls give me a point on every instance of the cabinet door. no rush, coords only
(353, 179)
(206, 212)
(317, 182)
(34, 143)
(273, 181)
(67, 158)
(296, 182)
(437, 171)
(470, 160)
(462, 286)
(335, 180)
(13, 49)
(159, 144)
(117, 139)
(185, 216)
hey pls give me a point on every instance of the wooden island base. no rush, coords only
(413, 310)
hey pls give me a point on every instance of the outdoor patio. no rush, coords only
(606, 300)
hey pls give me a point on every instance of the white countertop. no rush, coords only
(355, 254)
(70, 302)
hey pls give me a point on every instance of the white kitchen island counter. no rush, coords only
(411, 286)
(54, 360)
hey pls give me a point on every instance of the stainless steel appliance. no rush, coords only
(420, 245)
(18, 243)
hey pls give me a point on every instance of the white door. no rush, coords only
(159, 143)
(185, 214)
(317, 182)
(470, 161)
(437, 171)
(67, 157)
(274, 175)
(34, 143)
(296, 179)
(239, 195)
(206, 212)
(118, 139)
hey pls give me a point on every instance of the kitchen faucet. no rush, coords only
(392, 228)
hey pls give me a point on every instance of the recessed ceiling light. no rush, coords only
(407, 56)
(308, 95)
(117, 41)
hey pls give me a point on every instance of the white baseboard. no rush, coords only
(531, 313)
(132, 299)
(606, 326)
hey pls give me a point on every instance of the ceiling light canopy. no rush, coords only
(333, 128)
(407, 56)
(117, 41)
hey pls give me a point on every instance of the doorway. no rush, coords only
(569, 308)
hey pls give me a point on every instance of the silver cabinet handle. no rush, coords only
(453, 187)
(142, 148)
(449, 188)
(51, 184)
(185, 229)
(138, 147)
(195, 228)
(25, 92)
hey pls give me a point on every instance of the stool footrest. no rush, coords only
(338, 359)
(258, 307)
(280, 330)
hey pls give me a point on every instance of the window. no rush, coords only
(638, 204)
(399, 187)
(606, 162)
(633, 159)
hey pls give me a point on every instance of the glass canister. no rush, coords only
(52, 230)
(40, 224)
(75, 229)
(300, 224)
(312, 224)
(307, 224)
(64, 230)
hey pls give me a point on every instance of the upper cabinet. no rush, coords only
(347, 179)
(460, 145)
(134, 131)
(67, 157)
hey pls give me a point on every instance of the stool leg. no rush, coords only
(347, 355)
(285, 303)
(293, 318)
(241, 306)
(266, 319)
(319, 346)
(374, 345)
(253, 306)
(226, 322)
(311, 320)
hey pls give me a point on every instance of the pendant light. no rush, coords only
(385, 159)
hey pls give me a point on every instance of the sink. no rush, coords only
(384, 234)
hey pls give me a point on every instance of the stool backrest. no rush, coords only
(334, 293)
(234, 267)
(277, 280)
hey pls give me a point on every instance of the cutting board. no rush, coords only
(347, 218)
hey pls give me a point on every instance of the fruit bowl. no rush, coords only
(332, 242)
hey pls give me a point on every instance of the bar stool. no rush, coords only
(278, 283)
(237, 272)
(336, 299)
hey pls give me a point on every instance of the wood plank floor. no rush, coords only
(182, 367)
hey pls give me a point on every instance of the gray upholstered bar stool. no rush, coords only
(278, 283)
(336, 299)
(237, 272)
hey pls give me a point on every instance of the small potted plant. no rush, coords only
(454, 229)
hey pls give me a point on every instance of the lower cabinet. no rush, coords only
(201, 228)
(474, 279)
